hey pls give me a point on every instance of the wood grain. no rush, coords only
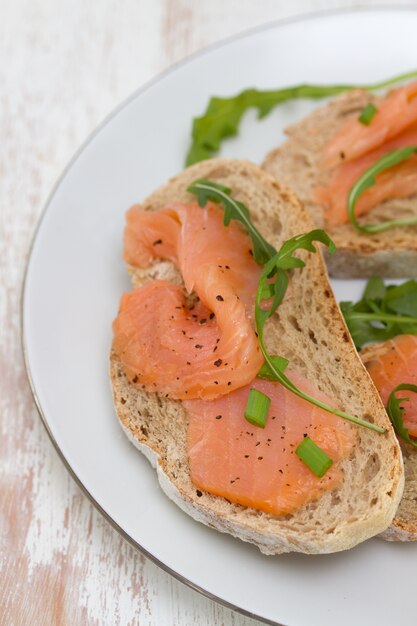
(63, 67)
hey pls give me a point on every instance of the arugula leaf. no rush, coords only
(368, 179)
(276, 269)
(206, 190)
(402, 299)
(382, 313)
(362, 330)
(375, 289)
(396, 412)
(223, 115)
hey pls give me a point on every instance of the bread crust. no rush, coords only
(404, 525)
(391, 253)
(309, 330)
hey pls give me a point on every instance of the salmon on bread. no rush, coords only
(328, 151)
(392, 363)
(181, 435)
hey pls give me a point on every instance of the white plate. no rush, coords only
(73, 284)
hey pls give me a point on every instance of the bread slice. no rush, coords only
(392, 253)
(308, 330)
(404, 525)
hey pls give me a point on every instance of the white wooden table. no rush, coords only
(63, 67)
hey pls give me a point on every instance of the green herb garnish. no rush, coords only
(223, 115)
(368, 179)
(207, 190)
(395, 412)
(266, 373)
(313, 456)
(383, 312)
(273, 281)
(367, 114)
(257, 408)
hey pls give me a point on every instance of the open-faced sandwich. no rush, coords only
(393, 368)
(234, 373)
(353, 163)
(383, 325)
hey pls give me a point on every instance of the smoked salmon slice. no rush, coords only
(198, 351)
(258, 467)
(395, 113)
(192, 237)
(357, 146)
(397, 364)
(149, 235)
(397, 182)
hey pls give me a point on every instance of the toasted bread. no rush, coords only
(309, 330)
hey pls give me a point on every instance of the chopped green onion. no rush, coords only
(314, 457)
(266, 373)
(367, 114)
(257, 408)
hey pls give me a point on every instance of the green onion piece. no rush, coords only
(267, 374)
(367, 114)
(313, 456)
(257, 408)
(368, 179)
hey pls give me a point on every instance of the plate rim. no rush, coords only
(277, 23)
